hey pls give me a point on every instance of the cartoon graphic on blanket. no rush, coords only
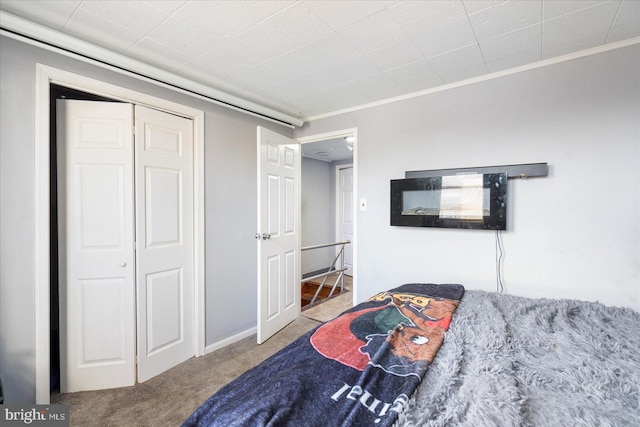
(357, 369)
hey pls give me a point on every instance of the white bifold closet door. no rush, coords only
(125, 243)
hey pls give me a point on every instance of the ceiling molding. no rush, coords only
(43, 37)
(485, 77)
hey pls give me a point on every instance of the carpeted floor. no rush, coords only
(169, 398)
(329, 308)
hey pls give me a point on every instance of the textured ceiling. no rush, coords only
(309, 58)
(329, 150)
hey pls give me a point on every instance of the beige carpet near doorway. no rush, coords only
(332, 307)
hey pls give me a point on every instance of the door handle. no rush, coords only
(263, 236)
(123, 264)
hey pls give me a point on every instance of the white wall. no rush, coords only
(573, 234)
(317, 214)
(230, 209)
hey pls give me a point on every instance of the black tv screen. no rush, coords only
(473, 201)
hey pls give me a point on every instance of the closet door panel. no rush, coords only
(96, 266)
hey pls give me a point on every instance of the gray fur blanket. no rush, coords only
(514, 361)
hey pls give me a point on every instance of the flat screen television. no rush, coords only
(473, 201)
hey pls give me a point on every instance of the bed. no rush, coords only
(437, 355)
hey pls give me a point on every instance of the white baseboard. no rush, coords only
(228, 341)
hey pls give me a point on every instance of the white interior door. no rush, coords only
(164, 240)
(126, 241)
(278, 232)
(345, 213)
(97, 272)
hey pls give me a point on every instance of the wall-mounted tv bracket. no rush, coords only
(526, 170)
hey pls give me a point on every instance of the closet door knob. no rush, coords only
(123, 264)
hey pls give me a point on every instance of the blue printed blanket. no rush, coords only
(359, 369)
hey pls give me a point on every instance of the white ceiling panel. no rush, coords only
(365, 35)
(222, 20)
(459, 64)
(553, 9)
(232, 57)
(418, 16)
(506, 62)
(307, 58)
(207, 75)
(416, 76)
(137, 17)
(293, 27)
(356, 68)
(590, 22)
(301, 86)
(97, 30)
(149, 51)
(627, 22)
(527, 39)
(395, 55)
(340, 14)
(329, 99)
(451, 36)
(180, 35)
(473, 6)
(302, 61)
(553, 48)
(166, 6)
(506, 17)
(375, 87)
(295, 88)
(53, 14)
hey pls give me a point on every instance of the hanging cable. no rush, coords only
(499, 256)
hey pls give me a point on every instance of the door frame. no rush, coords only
(45, 76)
(341, 134)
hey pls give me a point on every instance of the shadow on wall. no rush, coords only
(14, 376)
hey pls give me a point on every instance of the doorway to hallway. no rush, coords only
(328, 217)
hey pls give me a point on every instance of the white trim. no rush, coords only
(199, 234)
(45, 76)
(230, 340)
(329, 135)
(64, 44)
(42, 253)
(340, 134)
(485, 77)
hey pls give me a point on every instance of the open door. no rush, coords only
(278, 232)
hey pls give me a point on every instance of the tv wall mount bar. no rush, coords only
(525, 170)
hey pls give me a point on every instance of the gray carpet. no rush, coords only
(329, 308)
(169, 398)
